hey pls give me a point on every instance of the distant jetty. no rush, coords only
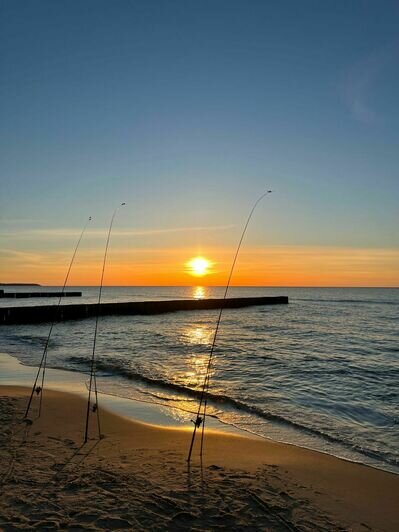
(48, 313)
(18, 295)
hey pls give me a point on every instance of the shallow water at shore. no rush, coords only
(321, 372)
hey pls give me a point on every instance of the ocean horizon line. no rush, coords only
(202, 286)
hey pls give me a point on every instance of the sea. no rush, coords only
(321, 372)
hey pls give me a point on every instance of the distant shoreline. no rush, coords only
(20, 284)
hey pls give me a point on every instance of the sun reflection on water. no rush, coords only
(197, 339)
(199, 292)
(200, 335)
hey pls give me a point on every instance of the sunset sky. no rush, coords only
(188, 111)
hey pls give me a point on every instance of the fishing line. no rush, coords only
(93, 376)
(43, 361)
(200, 419)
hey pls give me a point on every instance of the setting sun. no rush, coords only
(198, 266)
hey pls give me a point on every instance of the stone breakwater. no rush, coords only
(48, 313)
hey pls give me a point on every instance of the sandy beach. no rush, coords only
(137, 478)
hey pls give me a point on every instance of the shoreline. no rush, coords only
(14, 372)
(282, 485)
(151, 412)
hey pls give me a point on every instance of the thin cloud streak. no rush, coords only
(99, 233)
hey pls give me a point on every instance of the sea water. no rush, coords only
(321, 372)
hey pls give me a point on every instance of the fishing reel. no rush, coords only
(197, 422)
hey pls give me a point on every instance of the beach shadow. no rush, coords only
(192, 476)
(26, 425)
(76, 458)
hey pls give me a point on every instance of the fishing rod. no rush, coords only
(43, 361)
(201, 413)
(93, 376)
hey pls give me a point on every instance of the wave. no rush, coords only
(114, 367)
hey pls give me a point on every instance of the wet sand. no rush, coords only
(137, 478)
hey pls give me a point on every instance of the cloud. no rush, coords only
(361, 80)
(20, 256)
(100, 233)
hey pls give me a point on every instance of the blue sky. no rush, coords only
(189, 110)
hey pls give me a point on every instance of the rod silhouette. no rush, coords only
(202, 407)
(93, 376)
(43, 361)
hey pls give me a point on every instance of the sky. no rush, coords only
(188, 111)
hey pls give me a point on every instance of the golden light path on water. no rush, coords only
(197, 339)
(199, 292)
(196, 362)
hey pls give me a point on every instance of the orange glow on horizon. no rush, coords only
(256, 266)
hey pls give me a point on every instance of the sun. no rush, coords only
(198, 266)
